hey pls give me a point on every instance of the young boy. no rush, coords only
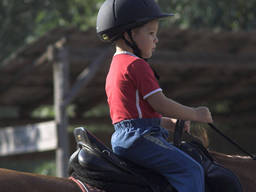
(140, 112)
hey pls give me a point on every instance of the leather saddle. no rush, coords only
(92, 153)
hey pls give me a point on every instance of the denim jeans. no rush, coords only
(143, 142)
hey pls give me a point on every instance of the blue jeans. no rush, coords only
(143, 142)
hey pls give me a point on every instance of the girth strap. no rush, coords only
(80, 184)
(85, 187)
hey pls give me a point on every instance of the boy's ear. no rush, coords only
(126, 36)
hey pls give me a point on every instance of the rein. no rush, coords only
(231, 141)
(178, 132)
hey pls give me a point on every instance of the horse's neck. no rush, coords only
(244, 167)
(231, 159)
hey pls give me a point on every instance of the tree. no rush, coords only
(218, 14)
(25, 20)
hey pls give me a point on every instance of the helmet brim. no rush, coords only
(166, 15)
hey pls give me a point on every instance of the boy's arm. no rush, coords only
(170, 108)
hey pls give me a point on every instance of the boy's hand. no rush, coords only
(187, 126)
(203, 115)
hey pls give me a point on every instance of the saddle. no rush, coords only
(95, 164)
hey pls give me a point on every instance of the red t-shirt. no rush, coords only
(130, 81)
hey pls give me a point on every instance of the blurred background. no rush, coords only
(206, 56)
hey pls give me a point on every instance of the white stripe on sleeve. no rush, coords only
(138, 104)
(151, 93)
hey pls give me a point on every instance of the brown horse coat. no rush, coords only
(14, 181)
(244, 167)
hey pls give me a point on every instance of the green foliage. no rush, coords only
(218, 14)
(43, 112)
(25, 20)
(98, 111)
(46, 168)
(8, 112)
(47, 111)
(39, 166)
(83, 13)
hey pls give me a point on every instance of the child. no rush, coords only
(140, 112)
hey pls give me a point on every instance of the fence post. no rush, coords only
(61, 86)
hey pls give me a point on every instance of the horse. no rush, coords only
(16, 181)
(243, 166)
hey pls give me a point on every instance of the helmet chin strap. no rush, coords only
(136, 50)
(132, 44)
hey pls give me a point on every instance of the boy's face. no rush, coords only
(146, 38)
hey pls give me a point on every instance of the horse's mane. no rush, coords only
(200, 133)
(219, 155)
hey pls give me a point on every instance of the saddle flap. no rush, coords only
(85, 138)
(96, 163)
(92, 147)
(88, 158)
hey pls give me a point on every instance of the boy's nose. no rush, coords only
(156, 39)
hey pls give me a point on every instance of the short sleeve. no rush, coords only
(144, 78)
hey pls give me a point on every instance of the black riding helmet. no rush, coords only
(118, 16)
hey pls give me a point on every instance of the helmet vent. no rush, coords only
(114, 10)
(145, 2)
